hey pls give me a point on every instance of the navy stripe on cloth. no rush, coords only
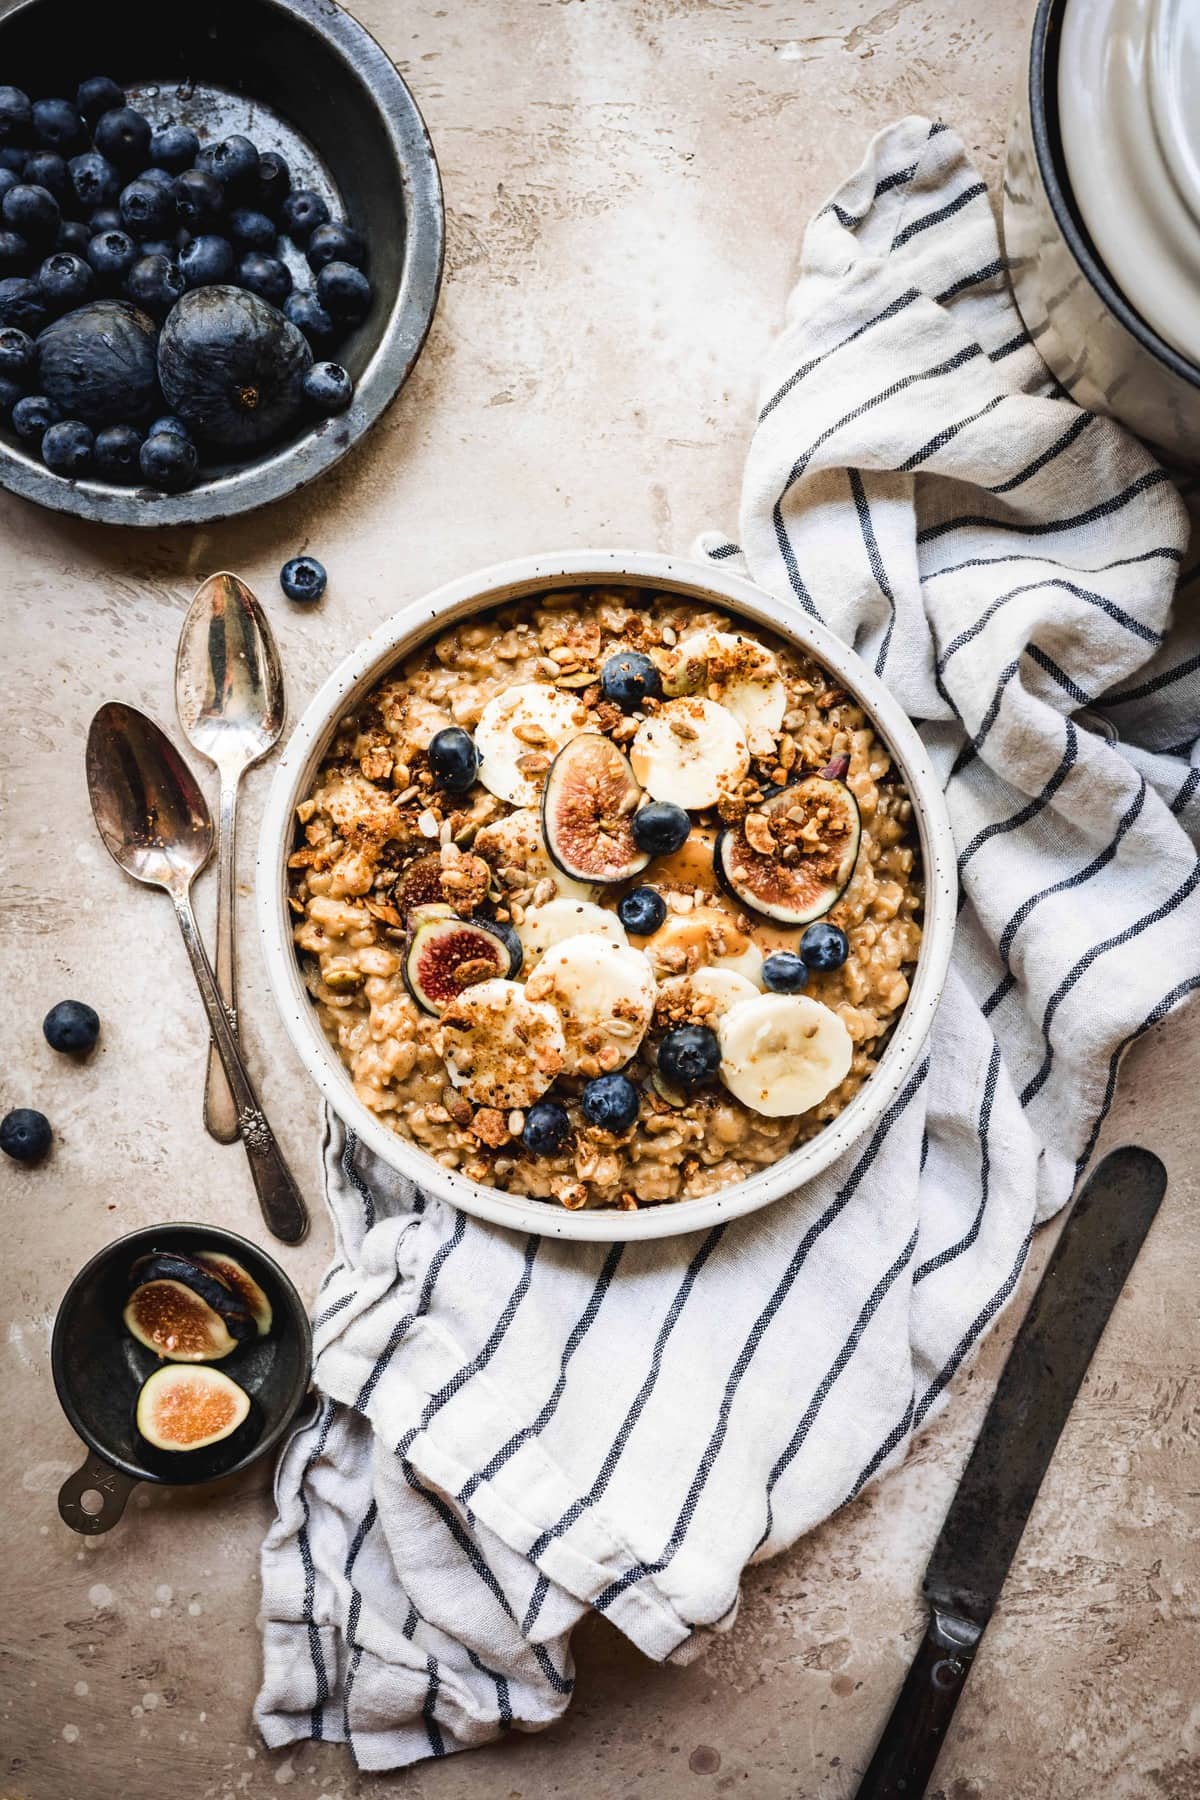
(999, 827)
(1069, 436)
(874, 561)
(402, 1326)
(898, 305)
(933, 1263)
(317, 1655)
(1103, 509)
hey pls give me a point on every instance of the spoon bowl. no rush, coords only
(228, 682)
(147, 805)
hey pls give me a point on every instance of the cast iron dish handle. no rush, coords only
(913, 1736)
(113, 1486)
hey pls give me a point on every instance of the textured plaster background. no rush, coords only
(626, 182)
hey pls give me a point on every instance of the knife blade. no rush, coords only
(1088, 1268)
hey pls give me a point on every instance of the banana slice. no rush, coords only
(604, 994)
(735, 671)
(690, 752)
(501, 1047)
(707, 936)
(702, 997)
(519, 734)
(563, 918)
(782, 1053)
(515, 842)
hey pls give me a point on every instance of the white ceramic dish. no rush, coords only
(403, 633)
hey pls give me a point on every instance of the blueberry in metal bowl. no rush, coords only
(361, 161)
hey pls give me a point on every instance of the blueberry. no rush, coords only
(14, 253)
(98, 95)
(57, 125)
(8, 178)
(334, 242)
(104, 218)
(628, 678)
(344, 291)
(453, 759)
(21, 304)
(265, 276)
(72, 1027)
(147, 207)
(33, 211)
(168, 422)
(45, 168)
(270, 183)
(73, 235)
(16, 353)
(112, 254)
(169, 461)
(546, 1127)
(512, 943)
(301, 213)
(65, 280)
(785, 973)
(16, 116)
(13, 158)
(824, 947)
(689, 1056)
(642, 911)
(199, 199)
(206, 260)
(10, 392)
(174, 148)
(303, 578)
(154, 283)
(156, 247)
(67, 447)
(611, 1102)
(234, 161)
(328, 388)
(117, 448)
(24, 1134)
(306, 312)
(123, 135)
(661, 828)
(252, 230)
(33, 416)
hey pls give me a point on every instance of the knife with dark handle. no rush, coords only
(1046, 1365)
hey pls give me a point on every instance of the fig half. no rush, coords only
(189, 1409)
(173, 1321)
(447, 955)
(241, 1283)
(170, 1265)
(588, 803)
(792, 858)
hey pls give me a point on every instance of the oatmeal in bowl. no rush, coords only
(605, 897)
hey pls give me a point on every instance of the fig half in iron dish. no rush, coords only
(172, 1320)
(189, 1409)
(171, 1265)
(240, 1281)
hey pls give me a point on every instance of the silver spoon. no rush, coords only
(151, 814)
(229, 697)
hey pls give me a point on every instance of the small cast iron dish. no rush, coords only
(298, 76)
(99, 1368)
(385, 649)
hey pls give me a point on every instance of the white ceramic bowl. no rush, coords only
(397, 638)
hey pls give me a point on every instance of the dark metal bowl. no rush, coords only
(298, 76)
(99, 1368)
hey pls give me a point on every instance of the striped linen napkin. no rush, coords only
(514, 1429)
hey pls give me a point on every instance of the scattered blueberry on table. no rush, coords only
(25, 1135)
(303, 578)
(72, 1027)
(824, 947)
(98, 207)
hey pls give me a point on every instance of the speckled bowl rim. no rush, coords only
(397, 637)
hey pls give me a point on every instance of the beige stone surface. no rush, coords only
(626, 181)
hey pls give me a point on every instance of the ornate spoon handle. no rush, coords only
(282, 1207)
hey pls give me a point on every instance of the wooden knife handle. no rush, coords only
(912, 1738)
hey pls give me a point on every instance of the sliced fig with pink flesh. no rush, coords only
(174, 1322)
(189, 1409)
(588, 804)
(447, 955)
(792, 858)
